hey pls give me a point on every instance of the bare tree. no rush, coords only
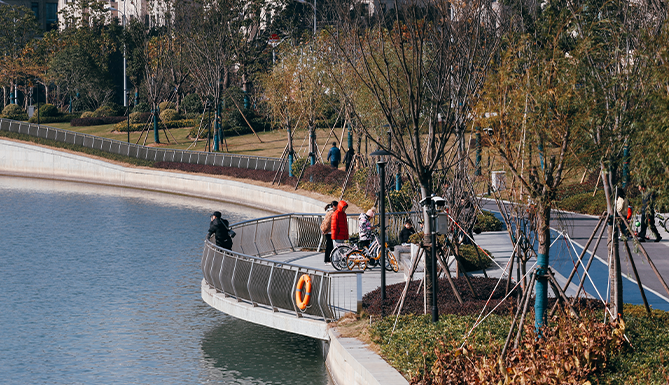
(617, 59)
(418, 60)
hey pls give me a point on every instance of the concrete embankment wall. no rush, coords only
(21, 159)
(347, 359)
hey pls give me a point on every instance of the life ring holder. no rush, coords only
(303, 286)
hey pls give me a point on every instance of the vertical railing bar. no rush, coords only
(248, 284)
(232, 280)
(255, 239)
(320, 294)
(290, 221)
(271, 235)
(292, 297)
(220, 275)
(269, 285)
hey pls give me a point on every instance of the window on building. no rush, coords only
(35, 8)
(51, 16)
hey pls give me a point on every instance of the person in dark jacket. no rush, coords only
(221, 229)
(406, 232)
(334, 155)
(348, 158)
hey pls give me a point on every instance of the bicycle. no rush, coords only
(362, 257)
(338, 256)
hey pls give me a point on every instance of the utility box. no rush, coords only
(498, 180)
(443, 223)
(31, 111)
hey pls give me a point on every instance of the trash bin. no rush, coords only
(31, 111)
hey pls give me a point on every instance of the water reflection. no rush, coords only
(292, 359)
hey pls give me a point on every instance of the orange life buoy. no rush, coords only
(303, 302)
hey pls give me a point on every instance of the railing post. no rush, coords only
(255, 239)
(358, 284)
(292, 297)
(269, 285)
(290, 221)
(248, 284)
(220, 275)
(232, 280)
(320, 296)
(271, 236)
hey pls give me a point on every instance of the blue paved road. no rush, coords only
(564, 255)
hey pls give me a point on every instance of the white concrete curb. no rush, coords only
(27, 160)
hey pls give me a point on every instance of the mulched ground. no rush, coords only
(448, 303)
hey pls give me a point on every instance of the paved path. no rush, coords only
(578, 228)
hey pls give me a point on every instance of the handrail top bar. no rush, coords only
(208, 242)
(310, 214)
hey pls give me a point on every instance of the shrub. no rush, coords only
(585, 203)
(298, 164)
(123, 126)
(13, 111)
(48, 110)
(139, 117)
(96, 121)
(473, 259)
(191, 104)
(142, 107)
(487, 221)
(168, 115)
(166, 105)
(104, 111)
(87, 114)
(53, 119)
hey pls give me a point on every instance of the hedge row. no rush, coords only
(54, 119)
(123, 125)
(97, 121)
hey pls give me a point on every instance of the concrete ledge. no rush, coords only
(258, 315)
(28, 160)
(350, 361)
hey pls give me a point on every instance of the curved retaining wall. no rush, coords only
(347, 359)
(21, 159)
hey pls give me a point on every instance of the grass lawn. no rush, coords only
(272, 145)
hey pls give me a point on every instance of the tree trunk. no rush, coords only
(427, 230)
(615, 274)
(541, 284)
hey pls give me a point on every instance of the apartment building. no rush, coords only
(46, 11)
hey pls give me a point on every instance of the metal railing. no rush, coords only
(142, 152)
(271, 284)
(244, 274)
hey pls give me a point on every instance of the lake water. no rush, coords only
(101, 285)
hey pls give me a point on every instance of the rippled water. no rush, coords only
(101, 285)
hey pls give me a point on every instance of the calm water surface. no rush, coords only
(101, 285)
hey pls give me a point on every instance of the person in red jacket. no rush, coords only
(339, 225)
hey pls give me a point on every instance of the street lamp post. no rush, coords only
(380, 156)
(125, 59)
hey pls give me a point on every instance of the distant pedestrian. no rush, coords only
(622, 207)
(221, 228)
(326, 229)
(348, 158)
(334, 155)
(365, 230)
(407, 231)
(339, 224)
(647, 215)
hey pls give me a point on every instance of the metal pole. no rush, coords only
(128, 112)
(382, 230)
(433, 252)
(314, 18)
(125, 67)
